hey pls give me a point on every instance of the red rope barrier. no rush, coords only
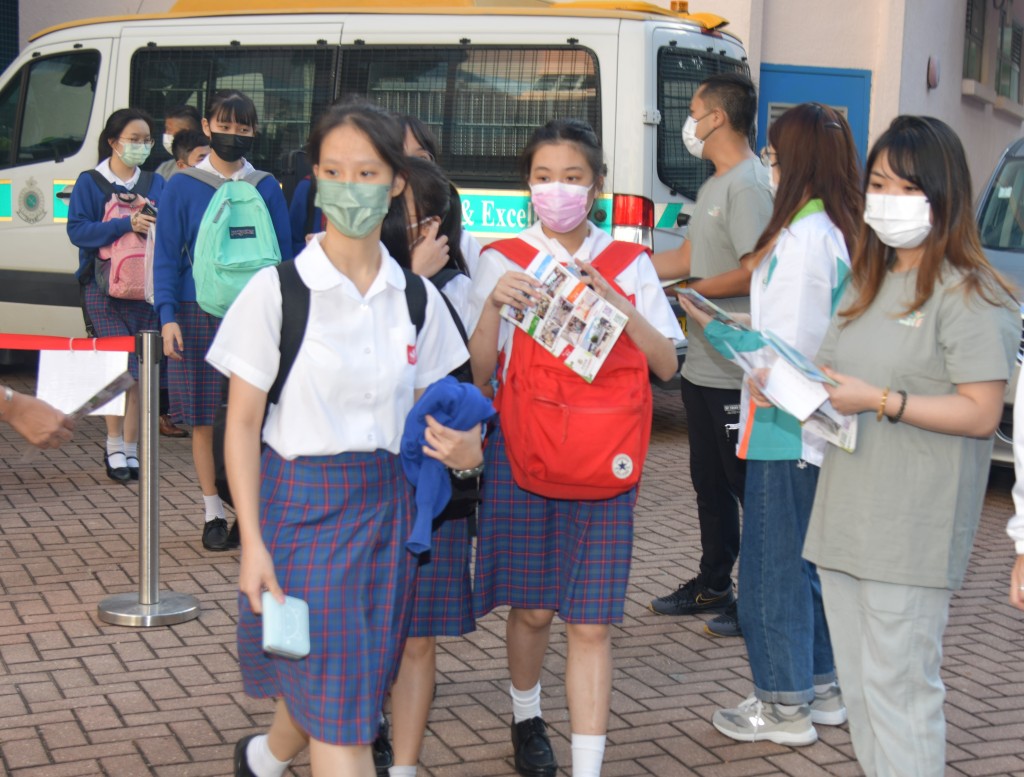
(51, 343)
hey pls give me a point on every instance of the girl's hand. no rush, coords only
(593, 278)
(693, 313)
(754, 384)
(454, 449)
(256, 575)
(852, 395)
(174, 345)
(141, 222)
(1016, 584)
(430, 252)
(516, 289)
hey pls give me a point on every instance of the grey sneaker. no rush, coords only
(756, 721)
(692, 597)
(828, 709)
(725, 625)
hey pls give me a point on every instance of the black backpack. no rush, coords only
(295, 299)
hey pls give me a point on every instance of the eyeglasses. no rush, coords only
(767, 157)
(144, 141)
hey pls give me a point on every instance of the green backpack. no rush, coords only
(236, 239)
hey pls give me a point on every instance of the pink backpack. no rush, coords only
(120, 267)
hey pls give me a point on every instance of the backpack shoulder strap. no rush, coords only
(442, 277)
(144, 184)
(515, 249)
(619, 255)
(102, 183)
(295, 299)
(256, 177)
(416, 299)
(203, 175)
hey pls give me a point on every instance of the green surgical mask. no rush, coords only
(134, 154)
(355, 209)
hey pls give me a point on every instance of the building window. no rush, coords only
(1008, 61)
(974, 38)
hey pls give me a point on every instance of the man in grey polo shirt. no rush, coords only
(733, 207)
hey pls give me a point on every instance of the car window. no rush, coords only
(1001, 221)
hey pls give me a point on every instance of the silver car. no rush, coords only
(1001, 224)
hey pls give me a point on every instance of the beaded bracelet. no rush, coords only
(881, 405)
(903, 406)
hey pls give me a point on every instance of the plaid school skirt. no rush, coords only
(111, 317)
(336, 528)
(443, 602)
(535, 553)
(194, 386)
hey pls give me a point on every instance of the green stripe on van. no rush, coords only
(505, 212)
(60, 204)
(667, 218)
(5, 200)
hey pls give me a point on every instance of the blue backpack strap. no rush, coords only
(416, 299)
(105, 186)
(295, 299)
(144, 184)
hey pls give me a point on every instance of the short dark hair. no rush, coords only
(575, 131)
(187, 141)
(115, 125)
(188, 113)
(734, 93)
(232, 105)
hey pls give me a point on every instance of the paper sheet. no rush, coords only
(67, 379)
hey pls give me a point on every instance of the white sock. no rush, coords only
(131, 450)
(115, 444)
(525, 704)
(587, 754)
(825, 688)
(402, 771)
(261, 761)
(214, 507)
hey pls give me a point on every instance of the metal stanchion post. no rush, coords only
(149, 607)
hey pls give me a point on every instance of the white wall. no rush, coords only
(36, 15)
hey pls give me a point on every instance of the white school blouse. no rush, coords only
(352, 383)
(639, 280)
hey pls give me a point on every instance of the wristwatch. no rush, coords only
(468, 474)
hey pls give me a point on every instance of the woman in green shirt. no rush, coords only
(921, 347)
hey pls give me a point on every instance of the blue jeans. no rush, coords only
(780, 609)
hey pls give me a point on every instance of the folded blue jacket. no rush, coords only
(458, 406)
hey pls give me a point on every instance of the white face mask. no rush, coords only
(168, 141)
(694, 144)
(899, 221)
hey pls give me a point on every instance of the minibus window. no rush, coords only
(1001, 223)
(680, 73)
(290, 85)
(482, 102)
(44, 109)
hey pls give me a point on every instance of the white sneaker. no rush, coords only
(757, 721)
(828, 709)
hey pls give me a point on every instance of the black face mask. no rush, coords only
(230, 148)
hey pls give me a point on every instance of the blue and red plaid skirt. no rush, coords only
(443, 602)
(195, 387)
(112, 317)
(336, 528)
(550, 554)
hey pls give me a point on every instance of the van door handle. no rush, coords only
(682, 219)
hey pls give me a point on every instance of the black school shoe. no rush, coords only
(533, 754)
(241, 762)
(217, 536)
(383, 753)
(117, 474)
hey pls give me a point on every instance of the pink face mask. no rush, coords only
(561, 207)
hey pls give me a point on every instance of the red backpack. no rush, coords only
(120, 267)
(567, 439)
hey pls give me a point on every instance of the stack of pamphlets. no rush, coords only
(570, 320)
(789, 379)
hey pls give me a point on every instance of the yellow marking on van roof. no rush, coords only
(618, 9)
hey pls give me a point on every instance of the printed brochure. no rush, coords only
(570, 320)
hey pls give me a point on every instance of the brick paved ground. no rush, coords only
(79, 697)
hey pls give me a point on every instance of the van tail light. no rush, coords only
(633, 219)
